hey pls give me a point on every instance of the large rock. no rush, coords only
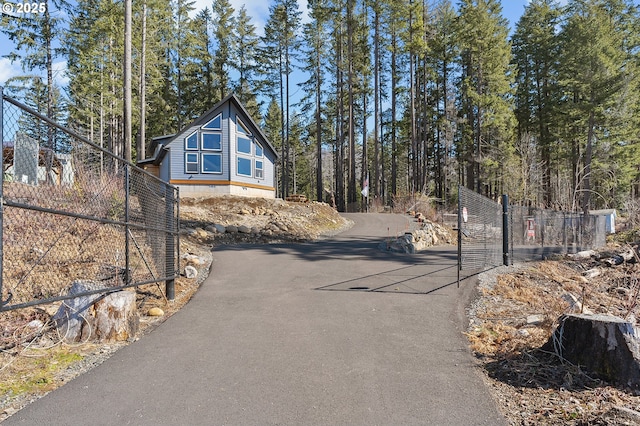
(604, 344)
(429, 235)
(97, 317)
(190, 272)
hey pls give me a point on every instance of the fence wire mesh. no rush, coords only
(480, 230)
(73, 211)
(536, 234)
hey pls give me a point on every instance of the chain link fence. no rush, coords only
(536, 234)
(491, 236)
(72, 211)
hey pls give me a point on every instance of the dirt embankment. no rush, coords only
(229, 219)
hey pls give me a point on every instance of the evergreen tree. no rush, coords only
(94, 66)
(245, 51)
(179, 52)
(200, 91)
(485, 143)
(280, 44)
(535, 49)
(314, 36)
(594, 80)
(223, 27)
(443, 54)
(272, 129)
(33, 35)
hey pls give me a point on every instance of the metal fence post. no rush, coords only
(127, 200)
(2, 302)
(170, 243)
(505, 229)
(459, 234)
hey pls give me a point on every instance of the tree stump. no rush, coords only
(97, 317)
(604, 344)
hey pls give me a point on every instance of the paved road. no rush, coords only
(329, 333)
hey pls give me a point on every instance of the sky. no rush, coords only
(258, 10)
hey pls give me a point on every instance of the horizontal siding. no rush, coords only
(267, 159)
(177, 153)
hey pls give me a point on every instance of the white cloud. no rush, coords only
(60, 77)
(8, 70)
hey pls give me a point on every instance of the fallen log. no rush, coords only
(618, 259)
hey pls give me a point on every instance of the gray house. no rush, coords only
(222, 152)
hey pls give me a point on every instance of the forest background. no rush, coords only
(388, 98)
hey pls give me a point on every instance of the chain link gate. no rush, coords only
(480, 242)
(73, 211)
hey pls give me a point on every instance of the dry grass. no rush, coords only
(530, 385)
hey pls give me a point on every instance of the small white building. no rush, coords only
(610, 218)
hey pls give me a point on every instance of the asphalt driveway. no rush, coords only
(334, 332)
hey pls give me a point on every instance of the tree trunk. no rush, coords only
(351, 192)
(377, 139)
(127, 81)
(586, 205)
(142, 137)
(97, 317)
(604, 344)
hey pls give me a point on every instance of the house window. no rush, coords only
(258, 172)
(211, 163)
(244, 145)
(212, 141)
(191, 162)
(191, 142)
(259, 151)
(215, 124)
(244, 166)
(241, 128)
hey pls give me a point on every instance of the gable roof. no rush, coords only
(159, 144)
(205, 117)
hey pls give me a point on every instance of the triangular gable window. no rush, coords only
(241, 128)
(215, 124)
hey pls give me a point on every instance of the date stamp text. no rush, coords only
(20, 9)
